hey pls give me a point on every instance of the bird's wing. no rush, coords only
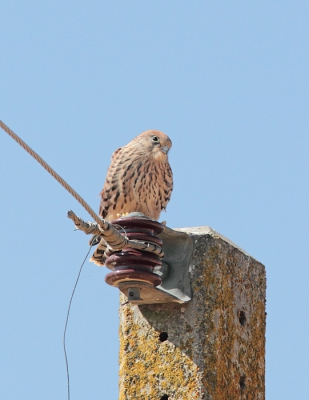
(111, 186)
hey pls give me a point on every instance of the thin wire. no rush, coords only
(67, 320)
(122, 228)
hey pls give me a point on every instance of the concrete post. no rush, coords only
(212, 347)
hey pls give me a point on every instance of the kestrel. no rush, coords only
(139, 178)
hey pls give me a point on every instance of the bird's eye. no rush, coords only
(155, 139)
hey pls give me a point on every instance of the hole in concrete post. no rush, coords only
(242, 318)
(242, 382)
(164, 397)
(163, 337)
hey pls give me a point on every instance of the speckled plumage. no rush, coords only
(139, 178)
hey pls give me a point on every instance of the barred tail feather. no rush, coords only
(98, 257)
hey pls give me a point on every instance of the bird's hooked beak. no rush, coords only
(165, 149)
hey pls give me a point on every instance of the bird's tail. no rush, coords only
(98, 257)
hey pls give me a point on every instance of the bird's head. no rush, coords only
(155, 142)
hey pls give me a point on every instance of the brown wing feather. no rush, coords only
(111, 184)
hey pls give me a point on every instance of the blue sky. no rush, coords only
(228, 82)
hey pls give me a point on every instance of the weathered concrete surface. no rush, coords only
(216, 342)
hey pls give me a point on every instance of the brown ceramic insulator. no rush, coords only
(138, 260)
(132, 265)
(132, 275)
(138, 224)
(143, 237)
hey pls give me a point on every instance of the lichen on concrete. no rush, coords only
(216, 343)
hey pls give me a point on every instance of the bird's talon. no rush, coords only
(122, 215)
